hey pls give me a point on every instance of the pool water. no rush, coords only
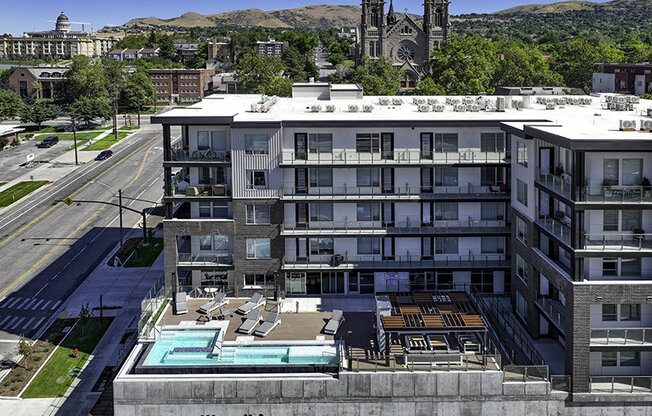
(195, 347)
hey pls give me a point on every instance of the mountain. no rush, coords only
(574, 6)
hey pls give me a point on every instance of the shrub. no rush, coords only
(37, 358)
(3, 142)
(14, 388)
(30, 368)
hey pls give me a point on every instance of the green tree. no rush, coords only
(139, 89)
(279, 86)
(25, 348)
(85, 78)
(10, 104)
(116, 75)
(40, 112)
(200, 56)
(523, 66)
(255, 72)
(304, 42)
(429, 87)
(336, 58)
(377, 76)
(132, 42)
(85, 315)
(90, 108)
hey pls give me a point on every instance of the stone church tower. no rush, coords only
(400, 38)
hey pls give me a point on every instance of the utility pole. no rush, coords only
(115, 117)
(74, 138)
(120, 203)
(139, 111)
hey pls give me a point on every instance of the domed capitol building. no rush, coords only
(60, 43)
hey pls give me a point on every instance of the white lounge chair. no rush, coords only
(256, 301)
(334, 323)
(250, 323)
(180, 303)
(270, 323)
(218, 300)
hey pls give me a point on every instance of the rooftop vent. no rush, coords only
(367, 108)
(353, 108)
(424, 108)
(439, 108)
(646, 125)
(419, 100)
(315, 108)
(330, 108)
(397, 101)
(627, 125)
(384, 101)
(460, 108)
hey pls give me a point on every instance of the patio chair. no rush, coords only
(180, 303)
(256, 300)
(252, 320)
(270, 323)
(334, 323)
(218, 300)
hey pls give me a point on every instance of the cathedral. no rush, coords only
(400, 38)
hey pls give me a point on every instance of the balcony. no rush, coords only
(554, 310)
(557, 228)
(351, 228)
(621, 337)
(620, 384)
(181, 154)
(391, 158)
(209, 260)
(346, 262)
(353, 193)
(615, 194)
(618, 242)
(559, 184)
(197, 191)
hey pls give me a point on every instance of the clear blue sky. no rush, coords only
(17, 17)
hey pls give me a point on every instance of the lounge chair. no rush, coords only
(180, 303)
(252, 320)
(266, 327)
(256, 300)
(334, 323)
(218, 300)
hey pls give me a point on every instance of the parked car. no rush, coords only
(104, 154)
(48, 142)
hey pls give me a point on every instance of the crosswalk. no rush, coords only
(20, 303)
(25, 314)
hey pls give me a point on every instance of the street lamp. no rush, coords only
(74, 139)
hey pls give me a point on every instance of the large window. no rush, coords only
(610, 172)
(321, 246)
(609, 266)
(258, 214)
(632, 219)
(367, 143)
(492, 211)
(259, 248)
(491, 176)
(446, 142)
(257, 179)
(521, 268)
(609, 358)
(492, 245)
(492, 142)
(632, 171)
(521, 192)
(214, 243)
(258, 280)
(521, 230)
(219, 210)
(609, 312)
(321, 211)
(521, 306)
(630, 267)
(446, 245)
(610, 220)
(483, 280)
(446, 211)
(445, 176)
(321, 177)
(630, 358)
(521, 153)
(368, 211)
(212, 176)
(257, 144)
(366, 177)
(320, 143)
(368, 245)
(630, 312)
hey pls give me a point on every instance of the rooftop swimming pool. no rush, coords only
(198, 348)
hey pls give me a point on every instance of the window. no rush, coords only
(366, 177)
(367, 143)
(444, 280)
(446, 142)
(610, 172)
(204, 210)
(630, 312)
(632, 219)
(321, 211)
(218, 140)
(521, 192)
(492, 245)
(259, 248)
(630, 267)
(212, 176)
(446, 211)
(492, 142)
(492, 211)
(366, 280)
(258, 214)
(257, 144)
(483, 280)
(426, 145)
(368, 245)
(521, 153)
(610, 220)
(214, 278)
(320, 143)
(220, 210)
(445, 176)
(521, 306)
(321, 246)
(205, 242)
(368, 211)
(630, 358)
(609, 312)
(427, 247)
(521, 230)
(491, 176)
(258, 280)
(521, 268)
(609, 267)
(257, 179)
(221, 243)
(632, 171)
(321, 177)
(203, 142)
(446, 245)
(609, 358)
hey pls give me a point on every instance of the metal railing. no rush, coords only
(201, 190)
(621, 336)
(556, 227)
(374, 362)
(614, 194)
(402, 227)
(525, 373)
(629, 241)
(560, 184)
(560, 383)
(373, 261)
(181, 154)
(620, 384)
(555, 310)
(206, 259)
(436, 191)
(150, 304)
(400, 156)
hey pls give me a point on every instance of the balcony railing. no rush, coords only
(206, 259)
(407, 261)
(560, 184)
(396, 157)
(397, 191)
(621, 336)
(556, 228)
(555, 310)
(183, 154)
(399, 227)
(201, 190)
(618, 242)
(615, 194)
(621, 384)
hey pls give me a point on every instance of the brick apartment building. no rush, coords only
(628, 78)
(181, 85)
(24, 81)
(271, 48)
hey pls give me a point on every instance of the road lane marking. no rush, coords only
(29, 322)
(4, 320)
(12, 321)
(22, 303)
(2, 300)
(11, 303)
(38, 323)
(29, 305)
(55, 305)
(18, 323)
(46, 305)
(36, 306)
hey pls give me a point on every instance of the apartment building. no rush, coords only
(39, 82)
(271, 47)
(330, 193)
(623, 78)
(181, 85)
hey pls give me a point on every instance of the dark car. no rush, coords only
(48, 142)
(104, 154)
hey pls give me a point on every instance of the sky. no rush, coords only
(17, 17)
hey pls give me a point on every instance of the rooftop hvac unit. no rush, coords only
(383, 101)
(353, 108)
(254, 108)
(649, 112)
(397, 101)
(500, 104)
(620, 99)
(621, 107)
(452, 101)
(419, 100)
(367, 108)
(632, 99)
(467, 100)
(432, 101)
(460, 108)
(627, 125)
(439, 108)
(330, 108)
(517, 104)
(473, 107)
(629, 107)
(646, 125)
(315, 108)
(611, 106)
(550, 106)
(424, 108)
(609, 98)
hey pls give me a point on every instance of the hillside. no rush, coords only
(574, 6)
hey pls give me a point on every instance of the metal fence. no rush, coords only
(621, 384)
(149, 306)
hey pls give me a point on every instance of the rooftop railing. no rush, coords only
(371, 361)
(525, 373)
(403, 227)
(556, 228)
(618, 242)
(560, 184)
(621, 384)
(180, 154)
(206, 259)
(373, 261)
(621, 336)
(615, 194)
(396, 157)
(437, 191)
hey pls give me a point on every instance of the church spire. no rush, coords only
(391, 16)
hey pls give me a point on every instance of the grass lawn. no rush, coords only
(106, 141)
(145, 256)
(59, 372)
(81, 135)
(348, 63)
(21, 189)
(2, 183)
(132, 127)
